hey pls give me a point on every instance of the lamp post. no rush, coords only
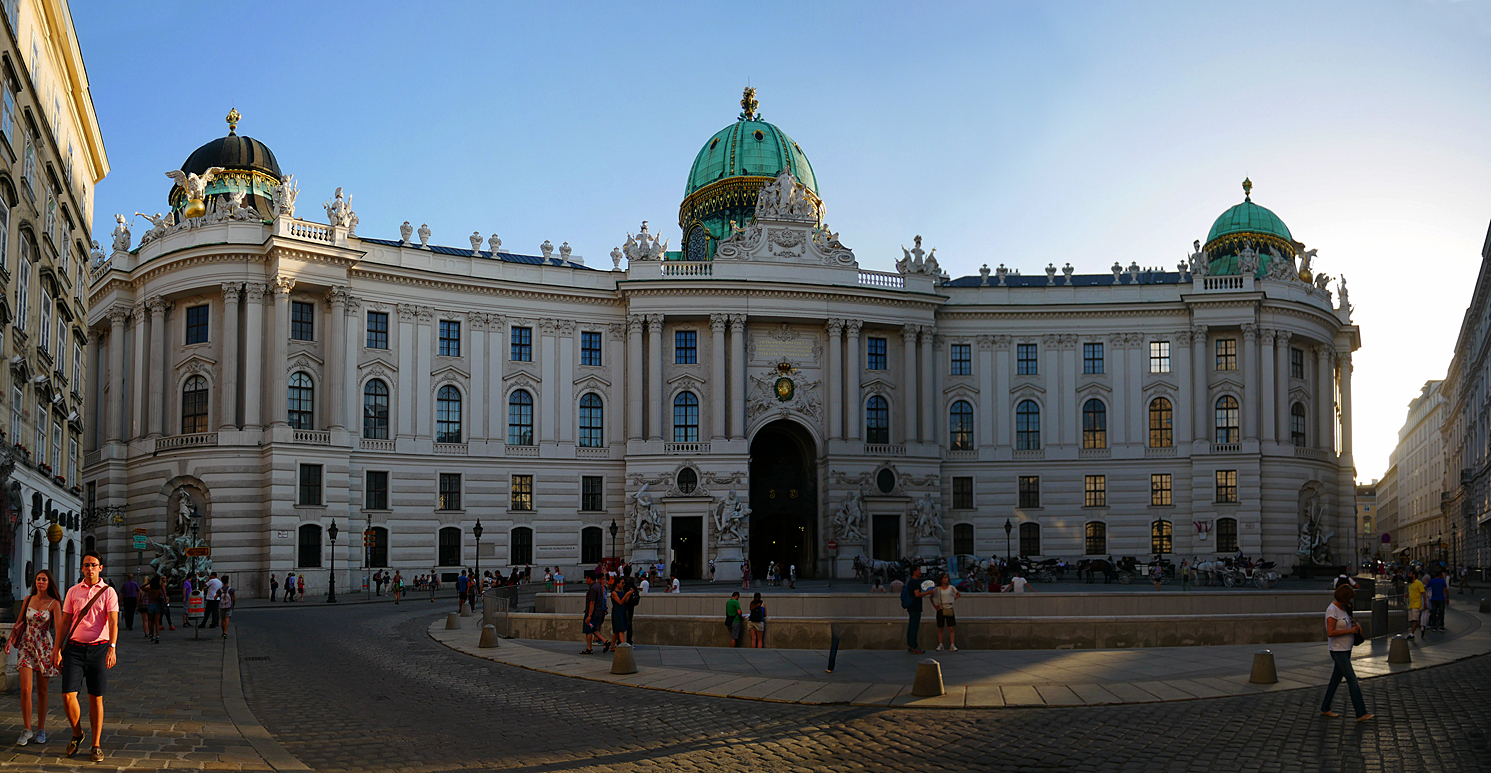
(613, 538)
(331, 592)
(477, 531)
(1008, 527)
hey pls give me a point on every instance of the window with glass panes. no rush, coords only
(1027, 426)
(685, 347)
(1226, 353)
(194, 405)
(590, 348)
(1297, 422)
(962, 359)
(448, 415)
(1025, 359)
(1226, 485)
(960, 426)
(1159, 356)
(302, 321)
(5, 224)
(310, 485)
(310, 546)
(1095, 491)
(1094, 424)
(450, 338)
(1227, 420)
(686, 418)
(520, 418)
(591, 421)
(1092, 358)
(1096, 538)
(963, 493)
(1030, 491)
(301, 401)
(449, 551)
(522, 550)
(520, 340)
(1161, 428)
(377, 330)
(378, 547)
(522, 492)
(1296, 363)
(1160, 537)
(963, 539)
(1159, 489)
(375, 490)
(1226, 535)
(591, 496)
(1030, 539)
(877, 420)
(17, 405)
(450, 491)
(592, 542)
(375, 410)
(196, 325)
(874, 353)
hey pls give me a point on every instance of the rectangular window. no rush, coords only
(1296, 363)
(377, 330)
(450, 338)
(61, 347)
(72, 450)
(1226, 485)
(685, 347)
(23, 286)
(591, 499)
(1096, 541)
(41, 433)
(45, 333)
(521, 344)
(8, 111)
(962, 360)
(1159, 489)
(310, 485)
(1030, 491)
(17, 406)
(375, 492)
(590, 348)
(1159, 356)
(522, 493)
(57, 449)
(196, 325)
(1226, 354)
(28, 168)
(51, 217)
(1025, 364)
(450, 491)
(963, 493)
(1092, 358)
(302, 321)
(1095, 491)
(875, 354)
(4, 222)
(1226, 535)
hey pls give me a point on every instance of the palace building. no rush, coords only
(756, 394)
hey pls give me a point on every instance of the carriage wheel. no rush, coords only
(1261, 582)
(1125, 577)
(1273, 581)
(1228, 581)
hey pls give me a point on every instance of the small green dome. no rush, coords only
(749, 147)
(1247, 224)
(1249, 218)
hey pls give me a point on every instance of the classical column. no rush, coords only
(1282, 375)
(929, 366)
(634, 369)
(655, 377)
(115, 423)
(1135, 411)
(141, 319)
(1052, 421)
(336, 358)
(1325, 397)
(987, 415)
(718, 389)
(853, 359)
(616, 361)
(1180, 409)
(1071, 412)
(353, 338)
(999, 402)
(497, 354)
(909, 403)
(1343, 361)
(253, 359)
(1201, 390)
(1267, 420)
(477, 412)
(406, 344)
(94, 407)
(1250, 382)
(158, 306)
(424, 395)
(1118, 413)
(279, 397)
(738, 376)
(566, 405)
(227, 395)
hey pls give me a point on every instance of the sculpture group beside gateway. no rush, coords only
(757, 394)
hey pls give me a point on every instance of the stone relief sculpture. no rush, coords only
(647, 520)
(1314, 541)
(802, 399)
(849, 520)
(787, 199)
(285, 195)
(1247, 258)
(926, 518)
(741, 242)
(730, 520)
(643, 246)
(121, 234)
(184, 510)
(405, 231)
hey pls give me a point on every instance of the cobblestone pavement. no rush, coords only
(365, 689)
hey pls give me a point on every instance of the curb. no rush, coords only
(243, 717)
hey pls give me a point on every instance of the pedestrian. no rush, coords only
(289, 586)
(675, 586)
(1157, 572)
(274, 585)
(548, 580)
(792, 577)
(943, 597)
(1185, 575)
(463, 585)
(1018, 583)
(36, 635)
(911, 600)
(209, 615)
(165, 607)
(150, 600)
(131, 599)
(558, 580)
(300, 587)
(1416, 614)
(623, 597)
(756, 622)
(226, 597)
(711, 570)
(90, 615)
(1341, 632)
(398, 586)
(430, 584)
(745, 575)
(734, 623)
(644, 587)
(595, 614)
(1438, 599)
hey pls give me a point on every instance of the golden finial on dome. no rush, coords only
(233, 117)
(748, 104)
(1247, 189)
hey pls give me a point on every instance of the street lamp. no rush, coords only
(613, 538)
(331, 592)
(477, 531)
(1008, 527)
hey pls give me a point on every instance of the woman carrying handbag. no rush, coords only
(1342, 633)
(36, 635)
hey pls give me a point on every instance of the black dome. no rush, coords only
(233, 152)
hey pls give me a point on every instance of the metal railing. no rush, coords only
(496, 603)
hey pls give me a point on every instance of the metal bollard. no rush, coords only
(623, 661)
(465, 609)
(452, 622)
(1397, 651)
(928, 683)
(1486, 605)
(488, 636)
(1264, 671)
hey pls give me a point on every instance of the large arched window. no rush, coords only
(1159, 537)
(591, 421)
(302, 401)
(1297, 423)
(1227, 424)
(310, 546)
(591, 545)
(877, 420)
(378, 546)
(1096, 541)
(522, 552)
(1161, 423)
(1027, 426)
(520, 418)
(686, 418)
(449, 547)
(1226, 535)
(963, 539)
(960, 426)
(448, 415)
(1094, 424)
(375, 410)
(1030, 539)
(194, 405)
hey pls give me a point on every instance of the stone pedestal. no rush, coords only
(843, 559)
(927, 547)
(644, 554)
(727, 560)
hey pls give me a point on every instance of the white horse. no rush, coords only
(1210, 571)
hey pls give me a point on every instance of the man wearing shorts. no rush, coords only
(90, 619)
(595, 614)
(1416, 606)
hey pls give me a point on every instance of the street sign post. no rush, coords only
(141, 532)
(139, 542)
(199, 552)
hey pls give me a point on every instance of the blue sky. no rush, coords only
(1015, 133)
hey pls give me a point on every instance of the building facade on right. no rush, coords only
(1466, 503)
(1419, 481)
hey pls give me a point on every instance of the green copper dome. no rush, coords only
(1242, 224)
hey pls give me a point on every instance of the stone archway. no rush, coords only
(784, 499)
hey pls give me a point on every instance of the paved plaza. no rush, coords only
(366, 687)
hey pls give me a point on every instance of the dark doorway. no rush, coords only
(687, 546)
(784, 500)
(886, 539)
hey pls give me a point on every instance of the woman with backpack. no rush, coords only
(756, 622)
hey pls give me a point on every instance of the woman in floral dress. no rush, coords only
(37, 642)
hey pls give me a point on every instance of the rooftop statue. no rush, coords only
(918, 261)
(786, 199)
(494, 244)
(284, 196)
(475, 242)
(405, 231)
(644, 246)
(121, 234)
(195, 185)
(424, 236)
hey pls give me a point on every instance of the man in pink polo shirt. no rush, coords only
(90, 618)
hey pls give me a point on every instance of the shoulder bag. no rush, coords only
(78, 618)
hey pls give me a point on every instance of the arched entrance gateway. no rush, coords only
(784, 499)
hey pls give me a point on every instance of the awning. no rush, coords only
(1403, 549)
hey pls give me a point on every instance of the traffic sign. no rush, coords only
(139, 542)
(199, 552)
(141, 532)
(832, 545)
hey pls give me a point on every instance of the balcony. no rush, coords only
(884, 279)
(520, 450)
(1223, 284)
(683, 269)
(313, 231)
(452, 449)
(312, 437)
(884, 449)
(377, 445)
(193, 440)
(685, 448)
(1226, 448)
